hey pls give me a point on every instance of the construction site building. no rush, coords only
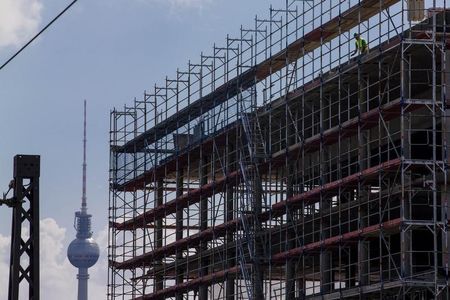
(279, 166)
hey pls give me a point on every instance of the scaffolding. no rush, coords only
(282, 167)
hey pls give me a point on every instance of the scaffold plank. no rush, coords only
(183, 201)
(190, 241)
(391, 226)
(192, 284)
(348, 128)
(170, 164)
(276, 211)
(311, 41)
(234, 179)
(353, 235)
(279, 208)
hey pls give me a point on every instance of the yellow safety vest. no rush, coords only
(361, 44)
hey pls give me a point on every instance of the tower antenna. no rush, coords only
(83, 196)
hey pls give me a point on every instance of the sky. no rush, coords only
(105, 51)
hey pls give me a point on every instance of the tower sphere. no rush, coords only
(83, 253)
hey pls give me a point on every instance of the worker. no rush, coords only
(361, 46)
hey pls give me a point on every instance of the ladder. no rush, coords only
(251, 156)
(253, 134)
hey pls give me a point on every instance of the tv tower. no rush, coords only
(83, 251)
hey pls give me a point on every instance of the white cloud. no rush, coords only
(192, 3)
(19, 19)
(4, 266)
(180, 4)
(58, 276)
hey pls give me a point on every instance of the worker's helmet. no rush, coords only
(356, 34)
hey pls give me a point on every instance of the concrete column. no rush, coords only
(301, 289)
(364, 193)
(158, 233)
(326, 273)
(416, 10)
(363, 250)
(258, 273)
(229, 198)
(446, 155)
(179, 231)
(350, 273)
(204, 261)
(445, 234)
(290, 235)
(405, 235)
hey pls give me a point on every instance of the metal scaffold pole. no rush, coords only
(305, 158)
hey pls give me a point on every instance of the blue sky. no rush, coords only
(105, 51)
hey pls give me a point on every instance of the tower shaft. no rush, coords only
(83, 277)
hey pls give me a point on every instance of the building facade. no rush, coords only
(282, 167)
